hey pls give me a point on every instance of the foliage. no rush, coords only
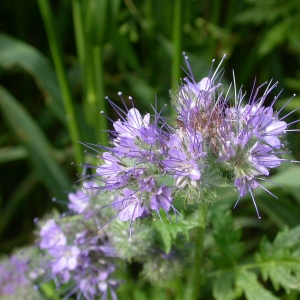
(277, 262)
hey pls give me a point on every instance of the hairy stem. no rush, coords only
(194, 283)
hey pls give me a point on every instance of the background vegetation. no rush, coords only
(58, 59)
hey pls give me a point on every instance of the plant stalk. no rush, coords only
(177, 45)
(194, 284)
(62, 79)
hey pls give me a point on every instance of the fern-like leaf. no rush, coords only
(169, 231)
(253, 290)
(229, 248)
(280, 261)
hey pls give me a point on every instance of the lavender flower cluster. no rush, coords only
(75, 254)
(215, 143)
(13, 275)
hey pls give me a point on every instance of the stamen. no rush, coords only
(250, 190)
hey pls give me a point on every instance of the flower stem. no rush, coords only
(194, 283)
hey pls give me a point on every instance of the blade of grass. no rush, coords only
(90, 27)
(39, 149)
(62, 78)
(79, 35)
(214, 19)
(101, 124)
(177, 46)
(15, 53)
(8, 154)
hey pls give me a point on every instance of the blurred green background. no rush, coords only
(58, 59)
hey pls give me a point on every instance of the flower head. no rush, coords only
(244, 140)
(132, 168)
(81, 259)
(215, 143)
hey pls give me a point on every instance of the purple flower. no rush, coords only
(130, 132)
(83, 261)
(195, 101)
(132, 168)
(113, 172)
(79, 201)
(260, 121)
(97, 282)
(162, 198)
(262, 158)
(130, 206)
(131, 128)
(243, 139)
(267, 127)
(250, 140)
(13, 275)
(197, 94)
(215, 144)
(52, 236)
(65, 258)
(141, 143)
(183, 158)
(181, 167)
(147, 184)
(245, 185)
(90, 188)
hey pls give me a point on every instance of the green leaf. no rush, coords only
(253, 290)
(169, 231)
(15, 53)
(260, 12)
(288, 238)
(165, 233)
(280, 261)
(274, 37)
(8, 154)
(223, 287)
(227, 237)
(50, 290)
(33, 139)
